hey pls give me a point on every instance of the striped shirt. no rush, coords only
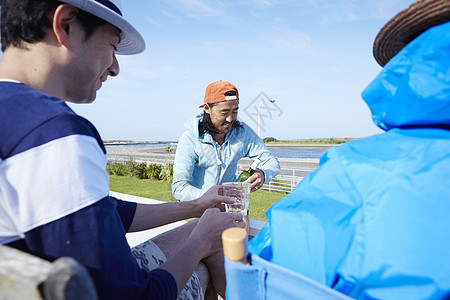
(54, 195)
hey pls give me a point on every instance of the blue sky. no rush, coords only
(314, 57)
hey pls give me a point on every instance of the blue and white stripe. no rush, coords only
(51, 165)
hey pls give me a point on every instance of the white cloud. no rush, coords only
(290, 39)
(263, 3)
(171, 16)
(136, 73)
(335, 69)
(387, 9)
(338, 11)
(198, 8)
(154, 22)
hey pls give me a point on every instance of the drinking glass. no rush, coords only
(241, 192)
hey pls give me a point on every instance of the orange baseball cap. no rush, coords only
(215, 92)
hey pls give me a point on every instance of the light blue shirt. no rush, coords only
(200, 162)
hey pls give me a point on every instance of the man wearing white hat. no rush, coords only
(54, 195)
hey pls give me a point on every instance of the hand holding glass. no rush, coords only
(241, 192)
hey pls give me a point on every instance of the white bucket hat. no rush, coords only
(131, 42)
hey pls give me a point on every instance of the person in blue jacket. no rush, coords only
(54, 194)
(373, 221)
(214, 141)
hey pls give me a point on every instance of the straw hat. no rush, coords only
(131, 42)
(407, 25)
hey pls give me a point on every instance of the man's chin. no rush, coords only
(82, 100)
(227, 127)
(225, 130)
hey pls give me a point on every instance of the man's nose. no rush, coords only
(114, 69)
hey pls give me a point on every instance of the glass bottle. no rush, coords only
(246, 174)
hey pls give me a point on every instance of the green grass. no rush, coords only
(260, 201)
(153, 189)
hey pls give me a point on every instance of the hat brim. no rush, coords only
(131, 41)
(407, 25)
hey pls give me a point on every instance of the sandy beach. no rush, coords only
(157, 154)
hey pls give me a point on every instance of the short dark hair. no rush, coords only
(206, 125)
(26, 21)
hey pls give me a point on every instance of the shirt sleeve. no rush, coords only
(95, 237)
(126, 212)
(183, 169)
(257, 149)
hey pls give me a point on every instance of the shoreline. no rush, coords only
(143, 153)
(163, 144)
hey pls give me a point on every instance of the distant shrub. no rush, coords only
(340, 141)
(169, 150)
(140, 171)
(144, 171)
(117, 168)
(167, 172)
(153, 171)
(131, 165)
(334, 141)
(269, 139)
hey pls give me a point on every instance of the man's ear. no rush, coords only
(64, 19)
(207, 108)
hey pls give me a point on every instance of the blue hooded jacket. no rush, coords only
(200, 162)
(373, 221)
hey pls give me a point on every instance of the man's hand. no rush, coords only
(204, 241)
(257, 179)
(211, 225)
(212, 199)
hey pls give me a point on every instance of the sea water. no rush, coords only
(280, 152)
(297, 152)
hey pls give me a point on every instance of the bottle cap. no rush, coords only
(235, 244)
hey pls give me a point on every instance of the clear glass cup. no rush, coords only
(240, 191)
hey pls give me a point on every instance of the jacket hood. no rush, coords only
(413, 89)
(191, 125)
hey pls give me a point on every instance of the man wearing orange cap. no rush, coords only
(213, 143)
